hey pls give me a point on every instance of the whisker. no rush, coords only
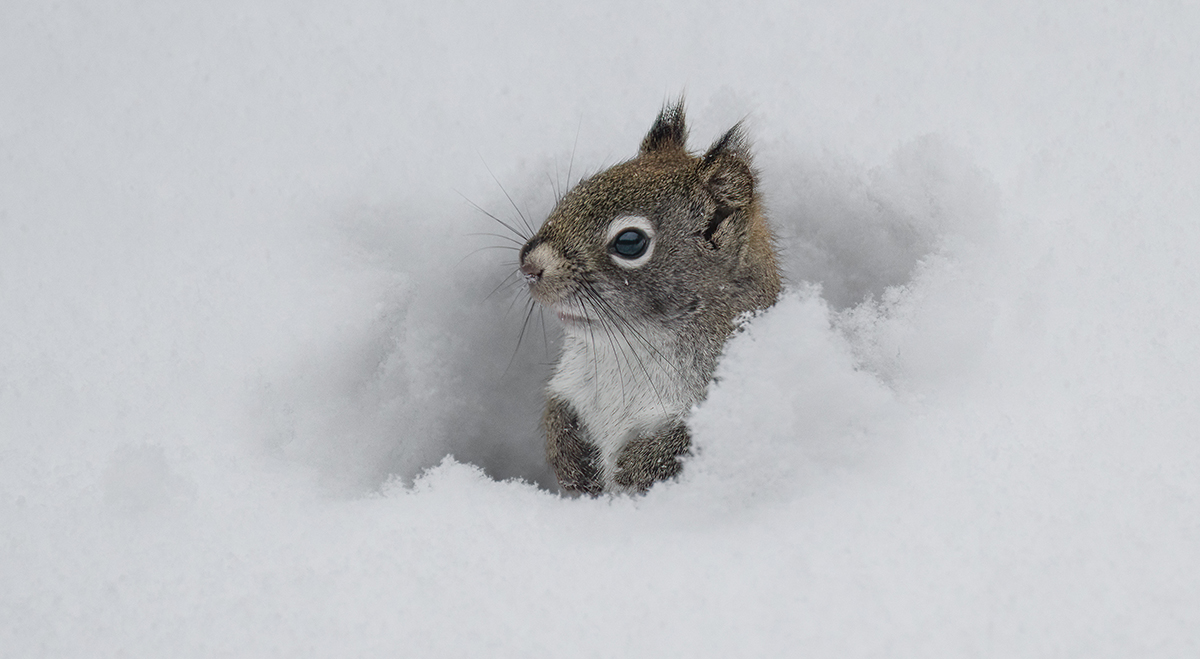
(591, 343)
(507, 283)
(627, 325)
(545, 338)
(513, 304)
(606, 313)
(520, 337)
(483, 249)
(524, 219)
(616, 351)
(571, 163)
(524, 237)
(625, 329)
(501, 236)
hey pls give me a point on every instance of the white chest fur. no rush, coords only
(621, 386)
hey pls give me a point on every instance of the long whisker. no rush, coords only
(520, 337)
(507, 283)
(628, 352)
(524, 219)
(571, 163)
(628, 326)
(501, 236)
(553, 183)
(513, 304)
(626, 329)
(591, 344)
(607, 315)
(484, 249)
(523, 236)
(617, 352)
(545, 337)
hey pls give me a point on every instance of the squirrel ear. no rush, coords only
(727, 172)
(728, 175)
(669, 130)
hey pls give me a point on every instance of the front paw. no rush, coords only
(654, 457)
(575, 460)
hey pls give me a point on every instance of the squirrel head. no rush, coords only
(666, 237)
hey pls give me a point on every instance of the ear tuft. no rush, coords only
(727, 171)
(669, 130)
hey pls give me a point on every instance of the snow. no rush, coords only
(245, 318)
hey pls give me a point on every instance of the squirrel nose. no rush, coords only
(532, 271)
(531, 266)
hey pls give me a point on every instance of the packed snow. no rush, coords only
(258, 397)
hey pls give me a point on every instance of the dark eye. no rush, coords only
(630, 244)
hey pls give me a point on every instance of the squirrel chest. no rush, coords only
(621, 389)
(647, 265)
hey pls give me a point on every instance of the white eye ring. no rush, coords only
(624, 223)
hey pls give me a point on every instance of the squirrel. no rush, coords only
(647, 265)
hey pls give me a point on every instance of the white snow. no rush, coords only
(243, 322)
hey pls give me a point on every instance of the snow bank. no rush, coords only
(246, 315)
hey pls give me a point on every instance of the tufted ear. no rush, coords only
(669, 130)
(727, 174)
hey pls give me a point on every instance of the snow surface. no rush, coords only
(243, 320)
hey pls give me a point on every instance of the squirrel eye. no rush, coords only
(630, 243)
(631, 240)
